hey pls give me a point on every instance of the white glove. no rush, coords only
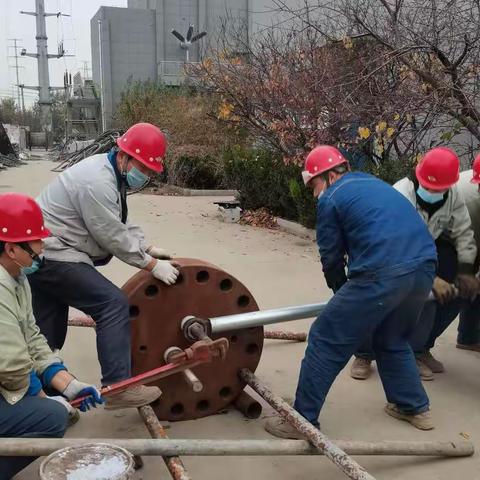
(60, 399)
(159, 253)
(165, 272)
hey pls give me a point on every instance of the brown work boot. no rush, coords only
(422, 421)
(73, 417)
(133, 397)
(425, 373)
(361, 368)
(279, 427)
(431, 362)
(474, 347)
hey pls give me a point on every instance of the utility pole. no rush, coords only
(21, 86)
(15, 40)
(42, 57)
(86, 74)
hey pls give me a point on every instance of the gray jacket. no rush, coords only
(472, 201)
(82, 208)
(451, 220)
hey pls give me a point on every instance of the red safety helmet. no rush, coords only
(476, 170)
(439, 169)
(146, 143)
(320, 160)
(21, 219)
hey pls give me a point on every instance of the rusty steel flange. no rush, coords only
(156, 313)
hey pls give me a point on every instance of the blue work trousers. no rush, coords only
(31, 417)
(436, 318)
(385, 307)
(56, 286)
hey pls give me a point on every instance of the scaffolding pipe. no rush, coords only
(285, 335)
(332, 451)
(173, 462)
(37, 447)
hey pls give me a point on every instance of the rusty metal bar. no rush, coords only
(347, 464)
(174, 464)
(190, 377)
(284, 335)
(247, 405)
(84, 321)
(36, 447)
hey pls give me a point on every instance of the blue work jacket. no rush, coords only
(365, 223)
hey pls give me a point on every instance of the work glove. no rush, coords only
(159, 253)
(444, 292)
(335, 278)
(165, 272)
(77, 389)
(468, 286)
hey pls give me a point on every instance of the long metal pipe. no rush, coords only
(265, 317)
(36, 447)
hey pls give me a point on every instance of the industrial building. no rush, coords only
(136, 43)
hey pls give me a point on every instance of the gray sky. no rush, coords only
(74, 30)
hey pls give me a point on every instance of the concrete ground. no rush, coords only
(280, 270)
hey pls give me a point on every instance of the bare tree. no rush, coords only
(437, 42)
(296, 86)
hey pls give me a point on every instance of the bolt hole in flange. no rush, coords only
(143, 348)
(177, 409)
(134, 311)
(203, 405)
(243, 301)
(225, 392)
(151, 291)
(226, 284)
(203, 276)
(252, 348)
(180, 279)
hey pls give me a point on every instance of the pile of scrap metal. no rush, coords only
(101, 144)
(8, 155)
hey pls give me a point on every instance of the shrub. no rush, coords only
(203, 172)
(391, 171)
(263, 180)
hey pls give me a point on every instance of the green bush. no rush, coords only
(391, 171)
(263, 180)
(201, 173)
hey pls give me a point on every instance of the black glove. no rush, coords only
(335, 278)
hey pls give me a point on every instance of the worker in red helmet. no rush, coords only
(27, 364)
(391, 266)
(468, 337)
(440, 202)
(85, 208)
